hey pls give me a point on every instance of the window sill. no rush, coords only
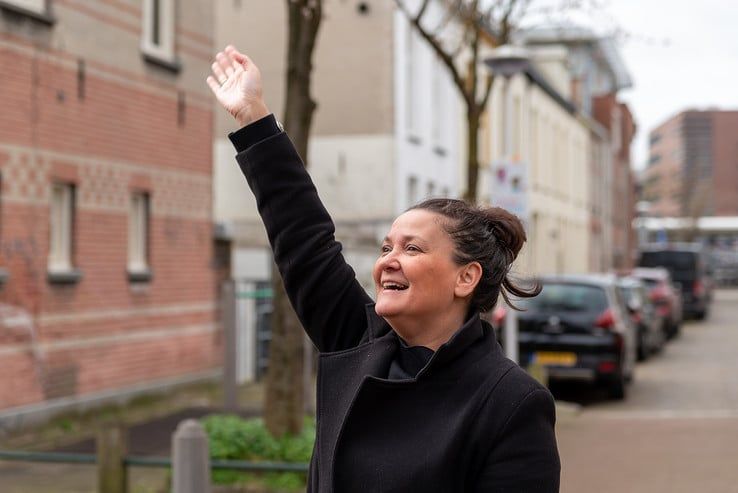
(140, 275)
(4, 276)
(43, 17)
(173, 65)
(72, 276)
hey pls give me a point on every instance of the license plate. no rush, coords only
(555, 358)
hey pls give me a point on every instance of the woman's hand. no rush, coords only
(236, 83)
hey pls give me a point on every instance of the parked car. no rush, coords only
(664, 294)
(725, 266)
(688, 266)
(649, 324)
(577, 328)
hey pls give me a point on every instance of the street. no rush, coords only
(677, 430)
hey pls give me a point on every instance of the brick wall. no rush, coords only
(135, 127)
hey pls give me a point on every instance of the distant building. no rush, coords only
(693, 165)
(106, 242)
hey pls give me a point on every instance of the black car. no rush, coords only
(578, 329)
(688, 266)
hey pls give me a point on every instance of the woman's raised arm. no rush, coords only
(323, 289)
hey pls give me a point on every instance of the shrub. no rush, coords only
(234, 438)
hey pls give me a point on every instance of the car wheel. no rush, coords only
(643, 349)
(616, 388)
(701, 315)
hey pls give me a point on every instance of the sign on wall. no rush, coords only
(510, 187)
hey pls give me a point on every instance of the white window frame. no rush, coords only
(411, 106)
(412, 190)
(163, 48)
(61, 225)
(38, 7)
(138, 233)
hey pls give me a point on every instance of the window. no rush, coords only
(138, 237)
(410, 84)
(438, 103)
(3, 272)
(61, 227)
(38, 9)
(412, 191)
(158, 32)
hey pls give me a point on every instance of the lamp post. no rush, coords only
(508, 60)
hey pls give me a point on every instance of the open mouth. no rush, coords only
(394, 286)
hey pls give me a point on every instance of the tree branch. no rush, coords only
(435, 45)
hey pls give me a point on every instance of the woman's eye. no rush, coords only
(386, 249)
(413, 248)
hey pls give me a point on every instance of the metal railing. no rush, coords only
(190, 462)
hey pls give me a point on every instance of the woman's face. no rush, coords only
(415, 276)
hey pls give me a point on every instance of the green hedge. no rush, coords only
(234, 438)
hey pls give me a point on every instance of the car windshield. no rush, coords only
(566, 297)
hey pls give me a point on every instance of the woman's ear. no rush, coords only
(467, 280)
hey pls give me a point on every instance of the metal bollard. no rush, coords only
(190, 459)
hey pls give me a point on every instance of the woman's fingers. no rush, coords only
(225, 63)
(220, 76)
(214, 85)
(237, 55)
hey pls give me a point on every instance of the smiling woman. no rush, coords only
(414, 392)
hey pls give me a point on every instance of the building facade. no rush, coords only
(595, 73)
(693, 165)
(106, 228)
(550, 141)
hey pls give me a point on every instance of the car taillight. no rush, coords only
(606, 320)
(498, 316)
(698, 289)
(658, 293)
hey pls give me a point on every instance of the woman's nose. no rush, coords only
(389, 261)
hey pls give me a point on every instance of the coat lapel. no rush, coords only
(341, 377)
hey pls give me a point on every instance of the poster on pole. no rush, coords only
(510, 187)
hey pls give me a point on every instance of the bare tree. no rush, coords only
(481, 23)
(285, 388)
(491, 25)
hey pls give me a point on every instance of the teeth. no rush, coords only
(393, 285)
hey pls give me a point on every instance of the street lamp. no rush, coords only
(508, 60)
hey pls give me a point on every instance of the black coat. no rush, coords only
(471, 420)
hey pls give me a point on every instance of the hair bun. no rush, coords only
(507, 228)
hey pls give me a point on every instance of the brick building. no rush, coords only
(106, 248)
(693, 165)
(616, 117)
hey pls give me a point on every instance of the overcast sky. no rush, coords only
(681, 54)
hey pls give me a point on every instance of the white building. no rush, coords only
(550, 143)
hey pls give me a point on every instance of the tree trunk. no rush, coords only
(285, 392)
(472, 178)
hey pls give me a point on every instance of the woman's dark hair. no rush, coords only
(491, 236)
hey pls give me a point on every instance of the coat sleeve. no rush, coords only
(322, 287)
(524, 457)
